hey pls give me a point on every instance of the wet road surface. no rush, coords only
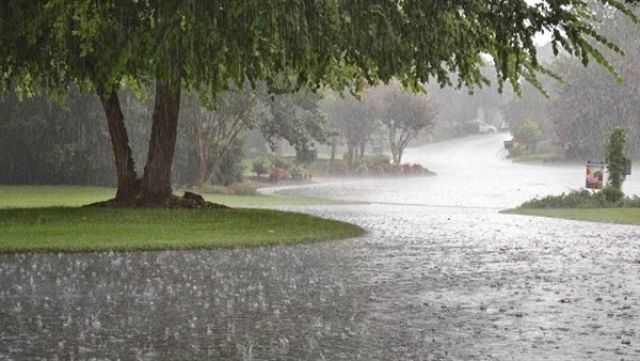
(437, 277)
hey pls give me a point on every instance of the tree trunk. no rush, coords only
(392, 143)
(394, 150)
(202, 154)
(125, 168)
(350, 154)
(156, 183)
(362, 147)
(201, 174)
(333, 149)
(155, 187)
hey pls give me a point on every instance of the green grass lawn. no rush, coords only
(46, 218)
(70, 196)
(609, 215)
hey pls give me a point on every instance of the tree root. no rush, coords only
(188, 201)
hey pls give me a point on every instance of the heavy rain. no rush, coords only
(328, 181)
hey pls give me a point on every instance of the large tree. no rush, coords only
(201, 45)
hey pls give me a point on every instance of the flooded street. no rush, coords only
(471, 172)
(440, 275)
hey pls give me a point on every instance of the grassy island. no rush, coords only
(41, 219)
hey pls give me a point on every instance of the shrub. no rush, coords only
(419, 169)
(338, 168)
(377, 169)
(631, 202)
(261, 166)
(298, 172)
(362, 168)
(608, 197)
(306, 155)
(612, 194)
(229, 168)
(378, 159)
(395, 169)
(574, 199)
(280, 162)
(277, 174)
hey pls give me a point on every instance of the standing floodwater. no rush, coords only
(440, 275)
(472, 172)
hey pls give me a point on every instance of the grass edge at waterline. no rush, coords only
(60, 229)
(617, 215)
(37, 196)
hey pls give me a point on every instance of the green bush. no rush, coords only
(378, 159)
(298, 172)
(608, 197)
(280, 162)
(229, 169)
(328, 167)
(631, 202)
(529, 133)
(361, 168)
(612, 194)
(306, 155)
(261, 166)
(338, 167)
(574, 199)
(378, 165)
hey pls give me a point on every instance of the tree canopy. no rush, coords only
(289, 44)
(405, 116)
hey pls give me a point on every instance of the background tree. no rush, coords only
(42, 143)
(214, 132)
(296, 118)
(461, 111)
(531, 110)
(581, 109)
(404, 115)
(355, 120)
(528, 133)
